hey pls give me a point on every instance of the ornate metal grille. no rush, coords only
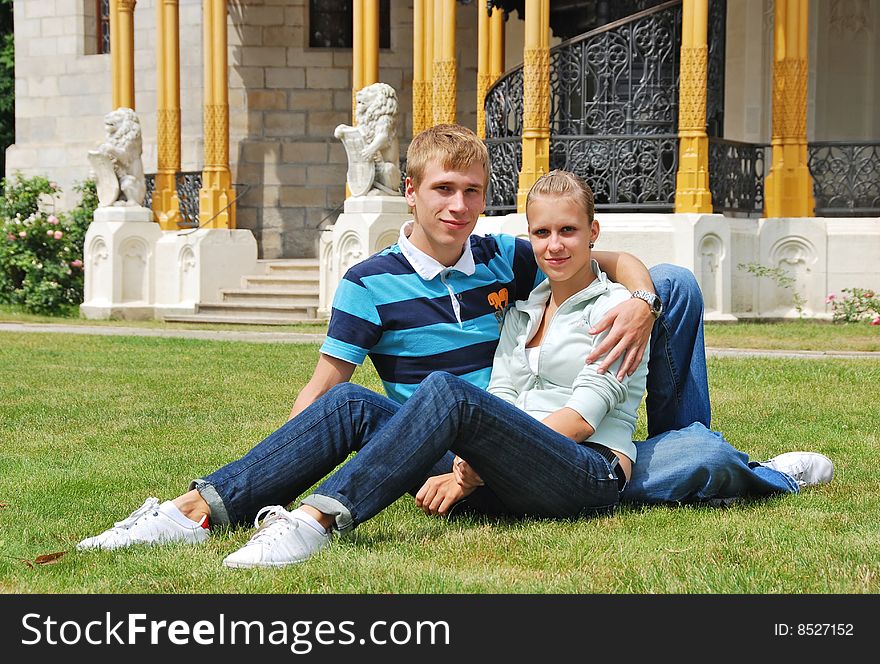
(188, 184)
(736, 176)
(846, 178)
(613, 114)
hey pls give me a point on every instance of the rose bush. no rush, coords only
(41, 251)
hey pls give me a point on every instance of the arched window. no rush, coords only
(103, 25)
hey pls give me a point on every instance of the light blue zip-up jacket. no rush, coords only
(563, 379)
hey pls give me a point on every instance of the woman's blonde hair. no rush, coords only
(564, 184)
(456, 147)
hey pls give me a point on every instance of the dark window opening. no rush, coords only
(330, 23)
(103, 26)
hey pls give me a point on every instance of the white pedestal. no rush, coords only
(193, 266)
(368, 224)
(119, 264)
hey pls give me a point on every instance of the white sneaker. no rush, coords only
(807, 468)
(281, 539)
(151, 523)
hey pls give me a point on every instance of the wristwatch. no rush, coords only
(652, 300)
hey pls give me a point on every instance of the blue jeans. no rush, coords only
(529, 467)
(681, 461)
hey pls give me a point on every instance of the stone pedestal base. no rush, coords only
(118, 252)
(193, 266)
(134, 270)
(368, 224)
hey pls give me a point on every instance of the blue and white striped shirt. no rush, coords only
(413, 316)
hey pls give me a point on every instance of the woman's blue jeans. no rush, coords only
(682, 460)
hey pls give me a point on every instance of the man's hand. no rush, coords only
(630, 326)
(466, 476)
(440, 493)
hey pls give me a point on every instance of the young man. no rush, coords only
(435, 301)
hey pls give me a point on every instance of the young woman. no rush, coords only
(552, 437)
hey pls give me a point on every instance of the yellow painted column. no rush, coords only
(483, 73)
(371, 42)
(357, 53)
(419, 83)
(444, 75)
(166, 206)
(216, 197)
(122, 52)
(536, 99)
(428, 56)
(788, 190)
(692, 180)
(496, 44)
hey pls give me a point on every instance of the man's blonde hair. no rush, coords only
(559, 184)
(457, 148)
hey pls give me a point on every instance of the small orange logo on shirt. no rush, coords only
(499, 300)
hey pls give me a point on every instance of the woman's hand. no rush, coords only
(440, 493)
(466, 476)
(631, 323)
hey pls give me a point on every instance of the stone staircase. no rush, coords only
(286, 293)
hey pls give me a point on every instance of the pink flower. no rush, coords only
(830, 298)
(876, 320)
(58, 235)
(76, 263)
(52, 219)
(869, 293)
(22, 234)
(50, 233)
(11, 237)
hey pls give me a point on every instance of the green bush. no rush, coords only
(41, 253)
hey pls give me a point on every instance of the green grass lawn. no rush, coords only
(91, 426)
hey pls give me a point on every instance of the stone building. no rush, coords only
(784, 94)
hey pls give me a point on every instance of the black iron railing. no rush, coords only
(846, 178)
(736, 176)
(188, 185)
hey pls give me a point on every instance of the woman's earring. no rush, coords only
(592, 244)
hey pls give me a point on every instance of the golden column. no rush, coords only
(419, 83)
(166, 206)
(692, 180)
(483, 73)
(428, 65)
(122, 52)
(216, 197)
(788, 191)
(496, 44)
(364, 48)
(536, 98)
(444, 74)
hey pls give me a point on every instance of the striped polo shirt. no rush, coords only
(412, 315)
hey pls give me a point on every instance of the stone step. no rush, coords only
(257, 309)
(292, 266)
(242, 319)
(281, 282)
(298, 297)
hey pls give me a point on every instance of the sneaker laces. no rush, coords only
(271, 522)
(149, 505)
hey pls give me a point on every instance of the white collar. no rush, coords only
(426, 266)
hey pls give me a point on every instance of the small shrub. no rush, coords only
(41, 252)
(856, 305)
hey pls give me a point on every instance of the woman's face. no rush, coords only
(560, 233)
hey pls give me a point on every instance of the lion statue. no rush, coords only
(371, 146)
(119, 171)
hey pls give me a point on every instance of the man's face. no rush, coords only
(446, 207)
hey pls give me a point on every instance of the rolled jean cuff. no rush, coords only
(219, 515)
(331, 507)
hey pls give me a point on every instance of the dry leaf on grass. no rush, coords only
(46, 559)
